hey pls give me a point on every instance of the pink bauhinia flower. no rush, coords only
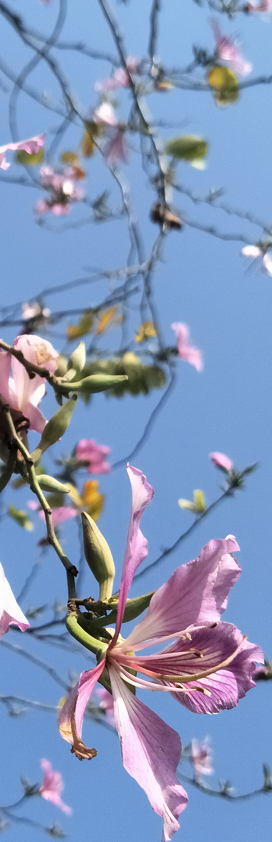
(120, 78)
(31, 146)
(60, 514)
(21, 392)
(257, 254)
(201, 757)
(228, 53)
(116, 148)
(207, 667)
(62, 188)
(10, 612)
(221, 461)
(106, 704)
(52, 787)
(185, 350)
(87, 449)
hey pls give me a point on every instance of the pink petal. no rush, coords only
(4, 374)
(201, 756)
(36, 418)
(185, 350)
(221, 461)
(60, 515)
(151, 752)
(72, 713)
(10, 611)
(267, 262)
(196, 593)
(52, 787)
(31, 146)
(105, 114)
(251, 251)
(136, 548)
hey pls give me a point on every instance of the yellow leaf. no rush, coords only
(83, 327)
(77, 499)
(29, 159)
(199, 501)
(92, 130)
(110, 318)
(69, 158)
(93, 501)
(225, 85)
(146, 331)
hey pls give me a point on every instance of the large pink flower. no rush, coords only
(22, 392)
(52, 787)
(207, 667)
(10, 612)
(87, 449)
(228, 53)
(31, 146)
(185, 350)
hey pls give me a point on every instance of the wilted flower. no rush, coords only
(88, 450)
(221, 461)
(31, 146)
(62, 188)
(185, 350)
(256, 253)
(201, 757)
(228, 53)
(207, 667)
(20, 391)
(10, 612)
(52, 787)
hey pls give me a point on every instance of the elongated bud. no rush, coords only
(93, 383)
(98, 556)
(52, 484)
(55, 428)
(78, 358)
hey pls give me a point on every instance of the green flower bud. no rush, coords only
(78, 358)
(55, 428)
(98, 556)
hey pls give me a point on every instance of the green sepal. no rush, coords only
(55, 428)
(96, 646)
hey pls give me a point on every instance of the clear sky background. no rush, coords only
(204, 282)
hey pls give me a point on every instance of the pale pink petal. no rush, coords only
(88, 450)
(151, 752)
(196, 593)
(116, 149)
(72, 713)
(31, 146)
(251, 251)
(42, 206)
(37, 421)
(105, 114)
(60, 515)
(52, 787)
(10, 611)
(221, 461)
(4, 374)
(267, 262)
(185, 350)
(106, 704)
(201, 756)
(228, 52)
(136, 548)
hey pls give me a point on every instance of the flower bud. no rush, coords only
(98, 556)
(78, 358)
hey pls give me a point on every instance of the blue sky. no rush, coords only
(204, 282)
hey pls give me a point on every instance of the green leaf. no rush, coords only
(29, 160)
(55, 428)
(140, 378)
(187, 148)
(20, 517)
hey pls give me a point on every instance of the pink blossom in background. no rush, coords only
(52, 787)
(221, 461)
(228, 53)
(34, 311)
(257, 254)
(263, 6)
(21, 392)
(201, 757)
(60, 514)
(106, 704)
(31, 146)
(105, 114)
(62, 188)
(87, 449)
(120, 78)
(10, 612)
(207, 665)
(116, 148)
(185, 350)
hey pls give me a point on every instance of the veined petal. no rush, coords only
(136, 549)
(196, 594)
(72, 712)
(151, 752)
(37, 421)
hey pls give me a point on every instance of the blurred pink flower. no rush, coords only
(60, 514)
(105, 114)
(221, 461)
(106, 704)
(263, 6)
(10, 612)
(257, 254)
(207, 665)
(21, 392)
(228, 53)
(62, 188)
(87, 449)
(120, 78)
(115, 148)
(31, 146)
(185, 350)
(52, 787)
(34, 311)
(201, 757)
